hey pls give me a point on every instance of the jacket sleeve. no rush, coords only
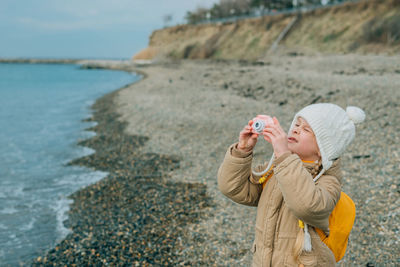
(309, 201)
(235, 179)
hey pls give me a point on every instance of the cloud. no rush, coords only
(85, 28)
(104, 14)
(99, 23)
(54, 25)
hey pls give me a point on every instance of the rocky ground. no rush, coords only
(162, 141)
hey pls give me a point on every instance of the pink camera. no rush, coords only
(260, 122)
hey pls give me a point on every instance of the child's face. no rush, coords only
(302, 141)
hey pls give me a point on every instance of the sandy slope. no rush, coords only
(366, 26)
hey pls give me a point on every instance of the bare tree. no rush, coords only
(235, 7)
(167, 19)
(200, 14)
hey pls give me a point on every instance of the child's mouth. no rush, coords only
(292, 140)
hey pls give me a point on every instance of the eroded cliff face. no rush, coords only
(364, 27)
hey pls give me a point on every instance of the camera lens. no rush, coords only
(259, 126)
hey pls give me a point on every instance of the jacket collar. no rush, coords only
(334, 170)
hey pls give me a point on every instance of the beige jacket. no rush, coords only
(289, 195)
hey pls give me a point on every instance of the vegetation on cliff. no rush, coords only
(234, 8)
(363, 27)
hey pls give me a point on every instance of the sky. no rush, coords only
(85, 29)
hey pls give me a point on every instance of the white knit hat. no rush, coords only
(333, 128)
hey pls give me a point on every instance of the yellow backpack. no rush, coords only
(341, 222)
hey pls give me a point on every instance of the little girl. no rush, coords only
(290, 205)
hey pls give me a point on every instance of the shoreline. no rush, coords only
(115, 153)
(57, 201)
(113, 220)
(120, 65)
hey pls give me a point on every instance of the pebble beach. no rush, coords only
(162, 140)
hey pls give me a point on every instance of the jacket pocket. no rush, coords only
(326, 256)
(308, 259)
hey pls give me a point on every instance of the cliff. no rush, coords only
(371, 26)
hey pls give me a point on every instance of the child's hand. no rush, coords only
(247, 139)
(277, 137)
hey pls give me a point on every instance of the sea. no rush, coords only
(41, 111)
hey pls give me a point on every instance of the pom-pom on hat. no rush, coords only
(333, 128)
